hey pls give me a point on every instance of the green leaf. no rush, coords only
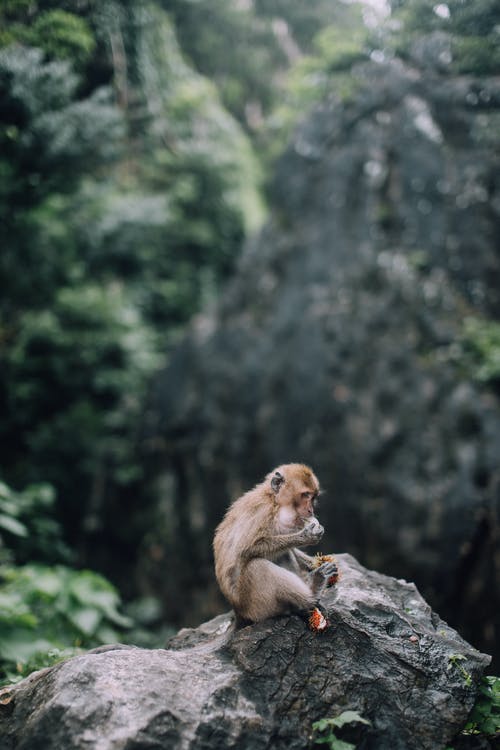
(106, 634)
(13, 525)
(91, 589)
(85, 619)
(49, 581)
(321, 725)
(348, 717)
(491, 725)
(337, 744)
(19, 646)
(485, 715)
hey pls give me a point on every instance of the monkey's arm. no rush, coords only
(305, 562)
(272, 545)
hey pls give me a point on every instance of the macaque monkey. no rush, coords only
(258, 565)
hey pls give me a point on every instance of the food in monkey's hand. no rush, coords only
(317, 621)
(319, 559)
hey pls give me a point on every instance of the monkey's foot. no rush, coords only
(317, 621)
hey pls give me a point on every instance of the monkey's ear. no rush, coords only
(276, 481)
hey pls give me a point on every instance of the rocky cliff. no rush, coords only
(340, 342)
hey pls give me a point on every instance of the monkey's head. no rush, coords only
(295, 490)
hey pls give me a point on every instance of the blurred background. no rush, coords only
(236, 233)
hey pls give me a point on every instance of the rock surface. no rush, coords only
(386, 655)
(340, 343)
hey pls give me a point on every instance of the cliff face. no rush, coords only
(341, 339)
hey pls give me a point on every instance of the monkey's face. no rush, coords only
(294, 511)
(296, 494)
(305, 504)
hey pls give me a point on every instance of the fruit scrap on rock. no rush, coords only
(317, 621)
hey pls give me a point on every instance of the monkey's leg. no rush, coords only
(270, 590)
(288, 561)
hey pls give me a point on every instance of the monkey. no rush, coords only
(258, 564)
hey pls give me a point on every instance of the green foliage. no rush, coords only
(76, 378)
(247, 49)
(454, 662)
(208, 168)
(232, 46)
(61, 35)
(325, 71)
(149, 629)
(9, 522)
(324, 730)
(110, 244)
(480, 348)
(338, 50)
(475, 54)
(64, 36)
(28, 528)
(39, 660)
(485, 716)
(49, 139)
(45, 612)
(473, 30)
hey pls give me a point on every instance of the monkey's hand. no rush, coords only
(312, 532)
(329, 571)
(332, 575)
(323, 576)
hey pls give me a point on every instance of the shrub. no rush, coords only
(48, 613)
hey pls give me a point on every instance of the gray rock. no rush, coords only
(385, 655)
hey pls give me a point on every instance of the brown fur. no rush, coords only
(257, 566)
